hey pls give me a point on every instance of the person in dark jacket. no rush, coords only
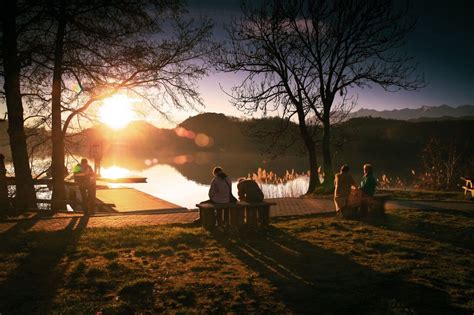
(367, 187)
(84, 176)
(249, 190)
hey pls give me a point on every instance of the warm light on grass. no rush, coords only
(114, 172)
(117, 111)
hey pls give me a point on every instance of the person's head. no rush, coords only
(367, 169)
(84, 162)
(344, 168)
(216, 170)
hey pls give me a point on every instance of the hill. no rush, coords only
(424, 112)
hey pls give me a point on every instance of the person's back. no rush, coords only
(220, 189)
(342, 188)
(343, 183)
(249, 190)
(368, 183)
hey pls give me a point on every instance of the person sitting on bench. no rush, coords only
(84, 176)
(220, 190)
(343, 182)
(249, 191)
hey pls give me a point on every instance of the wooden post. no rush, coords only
(264, 215)
(4, 202)
(237, 216)
(251, 216)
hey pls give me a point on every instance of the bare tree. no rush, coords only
(13, 23)
(104, 47)
(302, 57)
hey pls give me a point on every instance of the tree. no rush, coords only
(107, 46)
(303, 57)
(12, 66)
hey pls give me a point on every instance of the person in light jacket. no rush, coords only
(221, 187)
(343, 183)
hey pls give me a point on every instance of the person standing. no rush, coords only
(84, 176)
(343, 183)
(367, 187)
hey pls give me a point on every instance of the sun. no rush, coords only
(117, 111)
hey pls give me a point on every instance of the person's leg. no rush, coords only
(84, 198)
(91, 198)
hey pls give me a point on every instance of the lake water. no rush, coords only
(184, 180)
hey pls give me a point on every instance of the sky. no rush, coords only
(442, 44)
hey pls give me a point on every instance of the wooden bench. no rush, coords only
(235, 214)
(367, 206)
(468, 188)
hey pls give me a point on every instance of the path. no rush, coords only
(285, 207)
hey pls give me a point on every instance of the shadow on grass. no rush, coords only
(430, 228)
(31, 286)
(310, 279)
(431, 207)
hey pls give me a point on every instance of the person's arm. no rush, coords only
(352, 181)
(240, 190)
(213, 189)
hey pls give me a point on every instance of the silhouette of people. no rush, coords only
(367, 188)
(343, 182)
(249, 190)
(84, 176)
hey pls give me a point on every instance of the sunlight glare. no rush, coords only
(116, 111)
(114, 172)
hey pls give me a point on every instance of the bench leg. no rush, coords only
(208, 218)
(227, 216)
(236, 217)
(251, 216)
(264, 215)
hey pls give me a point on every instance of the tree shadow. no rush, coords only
(30, 288)
(311, 279)
(456, 236)
(430, 207)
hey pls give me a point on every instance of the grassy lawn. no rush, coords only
(410, 262)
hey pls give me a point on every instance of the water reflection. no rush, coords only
(166, 182)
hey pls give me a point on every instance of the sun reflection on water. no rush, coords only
(114, 172)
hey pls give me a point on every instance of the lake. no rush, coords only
(184, 179)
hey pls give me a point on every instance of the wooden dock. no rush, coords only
(132, 201)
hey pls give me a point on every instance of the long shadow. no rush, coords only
(430, 207)
(310, 279)
(30, 288)
(459, 237)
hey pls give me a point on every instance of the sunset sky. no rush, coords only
(442, 44)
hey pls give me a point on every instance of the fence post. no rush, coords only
(4, 202)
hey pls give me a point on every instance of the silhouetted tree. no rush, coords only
(104, 47)
(14, 23)
(302, 58)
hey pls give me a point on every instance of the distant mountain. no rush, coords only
(443, 112)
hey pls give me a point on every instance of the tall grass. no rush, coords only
(291, 184)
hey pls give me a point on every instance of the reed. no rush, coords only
(291, 184)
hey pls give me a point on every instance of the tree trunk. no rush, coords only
(311, 147)
(25, 191)
(313, 168)
(326, 148)
(58, 197)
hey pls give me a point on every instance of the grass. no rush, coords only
(409, 262)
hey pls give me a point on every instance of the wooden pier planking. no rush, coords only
(130, 200)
